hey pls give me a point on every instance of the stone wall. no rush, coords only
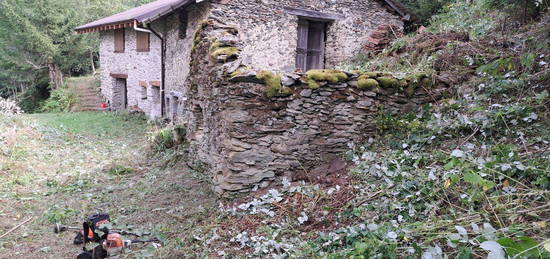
(252, 128)
(178, 52)
(269, 33)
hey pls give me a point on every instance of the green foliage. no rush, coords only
(462, 16)
(34, 34)
(425, 9)
(163, 139)
(56, 214)
(119, 170)
(498, 67)
(61, 100)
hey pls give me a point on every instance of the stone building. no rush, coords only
(234, 72)
(279, 35)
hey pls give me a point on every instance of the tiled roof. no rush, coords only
(141, 14)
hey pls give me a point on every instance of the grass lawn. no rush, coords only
(58, 168)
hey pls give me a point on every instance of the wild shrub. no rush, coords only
(168, 138)
(61, 100)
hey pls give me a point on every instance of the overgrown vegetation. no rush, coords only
(464, 177)
(61, 100)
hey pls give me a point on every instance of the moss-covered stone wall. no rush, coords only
(254, 127)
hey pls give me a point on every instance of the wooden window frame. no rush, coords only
(119, 33)
(143, 41)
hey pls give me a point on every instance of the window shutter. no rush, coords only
(119, 40)
(301, 51)
(183, 24)
(315, 45)
(142, 41)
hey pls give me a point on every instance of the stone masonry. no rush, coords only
(252, 127)
(250, 139)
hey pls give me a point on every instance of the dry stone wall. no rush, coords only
(254, 127)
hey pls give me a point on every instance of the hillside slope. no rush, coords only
(464, 177)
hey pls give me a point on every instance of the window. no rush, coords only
(156, 94)
(175, 104)
(144, 93)
(142, 41)
(119, 41)
(183, 17)
(167, 106)
(311, 45)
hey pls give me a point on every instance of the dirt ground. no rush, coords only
(62, 167)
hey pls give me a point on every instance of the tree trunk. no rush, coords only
(56, 77)
(92, 60)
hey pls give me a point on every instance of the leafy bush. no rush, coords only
(461, 16)
(425, 9)
(61, 100)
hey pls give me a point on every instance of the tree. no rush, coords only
(38, 46)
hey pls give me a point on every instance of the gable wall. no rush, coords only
(269, 34)
(139, 66)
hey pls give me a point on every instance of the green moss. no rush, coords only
(366, 83)
(214, 46)
(409, 91)
(273, 84)
(197, 38)
(329, 75)
(371, 74)
(388, 82)
(228, 52)
(313, 84)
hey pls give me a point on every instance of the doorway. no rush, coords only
(311, 44)
(120, 100)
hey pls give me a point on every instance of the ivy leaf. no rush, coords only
(516, 247)
(494, 248)
(473, 178)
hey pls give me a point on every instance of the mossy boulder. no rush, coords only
(329, 75)
(274, 84)
(366, 83)
(388, 82)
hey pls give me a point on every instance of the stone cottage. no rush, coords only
(252, 79)
(145, 51)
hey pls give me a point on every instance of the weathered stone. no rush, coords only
(363, 104)
(287, 81)
(251, 157)
(306, 93)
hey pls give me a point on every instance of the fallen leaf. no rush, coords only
(447, 183)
